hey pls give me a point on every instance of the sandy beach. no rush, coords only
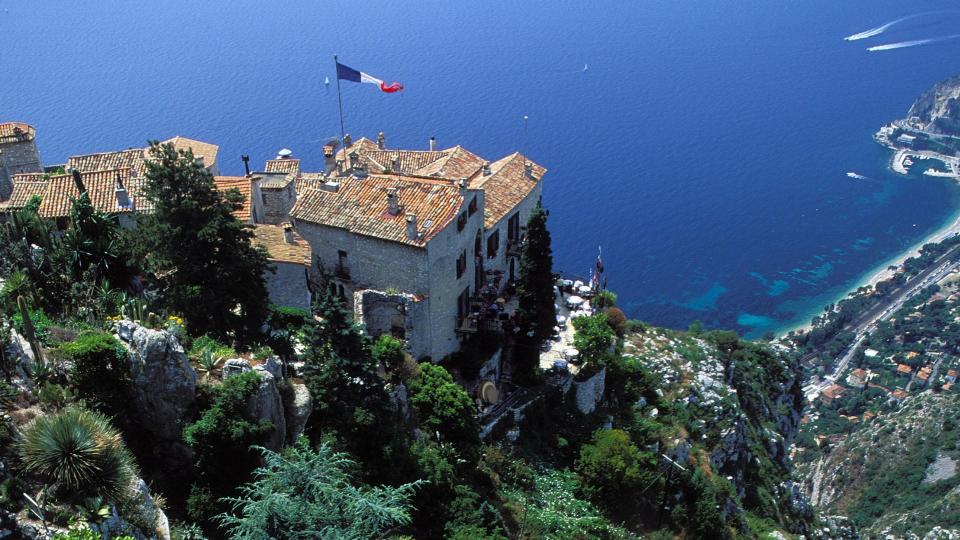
(884, 272)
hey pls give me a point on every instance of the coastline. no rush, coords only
(883, 272)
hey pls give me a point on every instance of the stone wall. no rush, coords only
(288, 286)
(382, 313)
(501, 261)
(15, 158)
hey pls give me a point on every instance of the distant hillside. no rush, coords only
(899, 474)
(939, 108)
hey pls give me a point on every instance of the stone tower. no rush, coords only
(18, 154)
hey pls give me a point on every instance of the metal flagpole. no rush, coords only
(343, 136)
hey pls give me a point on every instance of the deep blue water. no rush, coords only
(705, 147)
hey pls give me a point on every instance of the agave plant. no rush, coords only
(80, 451)
(93, 510)
(207, 362)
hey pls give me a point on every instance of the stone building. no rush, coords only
(415, 236)
(136, 158)
(114, 192)
(18, 154)
(290, 257)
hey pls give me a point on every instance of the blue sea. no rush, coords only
(705, 146)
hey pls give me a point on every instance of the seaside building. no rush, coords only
(420, 240)
(290, 256)
(116, 192)
(832, 395)
(18, 154)
(135, 159)
(857, 378)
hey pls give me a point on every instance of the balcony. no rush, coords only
(342, 272)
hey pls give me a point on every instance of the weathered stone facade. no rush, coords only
(18, 154)
(288, 285)
(277, 195)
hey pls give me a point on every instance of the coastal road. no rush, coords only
(896, 299)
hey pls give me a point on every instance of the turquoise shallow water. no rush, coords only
(706, 146)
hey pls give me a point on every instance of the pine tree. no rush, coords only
(201, 256)
(536, 313)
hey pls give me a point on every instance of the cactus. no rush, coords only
(28, 330)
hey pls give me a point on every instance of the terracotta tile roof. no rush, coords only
(272, 238)
(360, 206)
(16, 131)
(133, 158)
(275, 180)
(859, 373)
(200, 149)
(285, 166)
(904, 369)
(458, 163)
(310, 181)
(952, 373)
(899, 394)
(506, 186)
(101, 186)
(245, 187)
(833, 391)
(25, 186)
(947, 386)
(401, 161)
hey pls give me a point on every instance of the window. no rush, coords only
(461, 264)
(493, 244)
(473, 206)
(513, 227)
(462, 221)
(463, 304)
(343, 267)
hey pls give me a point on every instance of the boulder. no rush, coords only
(267, 405)
(272, 364)
(298, 411)
(589, 393)
(235, 366)
(164, 382)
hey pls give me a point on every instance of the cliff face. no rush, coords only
(939, 108)
(898, 475)
(743, 403)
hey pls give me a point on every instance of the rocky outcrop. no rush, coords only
(267, 405)
(589, 393)
(298, 411)
(938, 109)
(164, 382)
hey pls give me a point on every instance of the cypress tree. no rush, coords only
(536, 313)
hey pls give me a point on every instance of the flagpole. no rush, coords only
(343, 136)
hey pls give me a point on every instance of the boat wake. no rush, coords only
(857, 176)
(886, 26)
(912, 43)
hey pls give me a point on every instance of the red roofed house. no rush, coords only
(857, 378)
(290, 257)
(952, 376)
(899, 395)
(442, 227)
(903, 369)
(832, 394)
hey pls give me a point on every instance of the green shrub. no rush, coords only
(41, 324)
(101, 371)
(206, 343)
(53, 396)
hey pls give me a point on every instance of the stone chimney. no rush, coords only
(288, 233)
(486, 168)
(433, 144)
(412, 227)
(78, 181)
(381, 141)
(123, 198)
(528, 169)
(330, 156)
(395, 163)
(347, 141)
(246, 164)
(393, 202)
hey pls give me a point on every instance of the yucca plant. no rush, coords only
(79, 451)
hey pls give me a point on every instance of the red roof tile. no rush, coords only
(243, 185)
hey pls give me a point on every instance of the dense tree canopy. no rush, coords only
(536, 312)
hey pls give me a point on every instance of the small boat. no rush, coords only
(585, 67)
(326, 80)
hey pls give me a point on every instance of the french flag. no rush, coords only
(345, 73)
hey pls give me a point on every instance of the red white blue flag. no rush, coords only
(345, 73)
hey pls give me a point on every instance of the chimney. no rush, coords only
(79, 182)
(123, 198)
(395, 163)
(393, 203)
(246, 164)
(528, 169)
(347, 141)
(330, 156)
(433, 144)
(412, 227)
(486, 168)
(288, 233)
(381, 141)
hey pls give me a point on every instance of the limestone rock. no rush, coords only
(164, 382)
(235, 366)
(298, 412)
(267, 405)
(272, 364)
(589, 393)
